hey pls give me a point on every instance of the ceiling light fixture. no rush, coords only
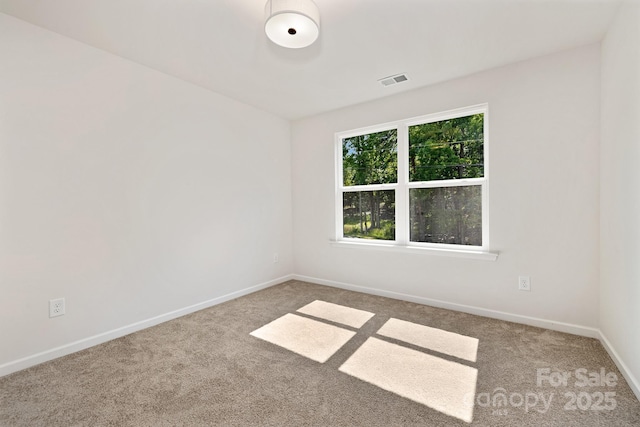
(292, 23)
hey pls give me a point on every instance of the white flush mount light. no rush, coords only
(292, 23)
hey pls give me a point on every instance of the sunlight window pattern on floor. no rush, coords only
(443, 385)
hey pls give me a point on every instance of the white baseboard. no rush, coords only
(84, 343)
(633, 382)
(510, 317)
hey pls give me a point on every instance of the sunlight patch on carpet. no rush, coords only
(309, 338)
(337, 313)
(437, 383)
(460, 346)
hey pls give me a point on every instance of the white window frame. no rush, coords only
(402, 187)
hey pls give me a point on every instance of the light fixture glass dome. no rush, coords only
(292, 23)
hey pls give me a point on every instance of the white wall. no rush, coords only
(126, 191)
(544, 131)
(620, 190)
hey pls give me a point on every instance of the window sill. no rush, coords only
(480, 255)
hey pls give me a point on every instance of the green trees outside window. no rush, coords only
(370, 159)
(438, 185)
(446, 150)
(451, 215)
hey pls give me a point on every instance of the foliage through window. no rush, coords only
(416, 182)
(370, 159)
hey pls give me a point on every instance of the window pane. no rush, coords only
(451, 215)
(371, 158)
(369, 214)
(449, 149)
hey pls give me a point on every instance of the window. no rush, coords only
(420, 182)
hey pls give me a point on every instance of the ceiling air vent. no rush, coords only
(391, 80)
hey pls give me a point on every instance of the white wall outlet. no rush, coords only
(524, 283)
(56, 307)
(276, 258)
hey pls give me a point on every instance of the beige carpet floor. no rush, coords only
(253, 361)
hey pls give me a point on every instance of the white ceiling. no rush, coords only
(221, 45)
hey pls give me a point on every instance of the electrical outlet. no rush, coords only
(56, 307)
(524, 283)
(275, 257)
